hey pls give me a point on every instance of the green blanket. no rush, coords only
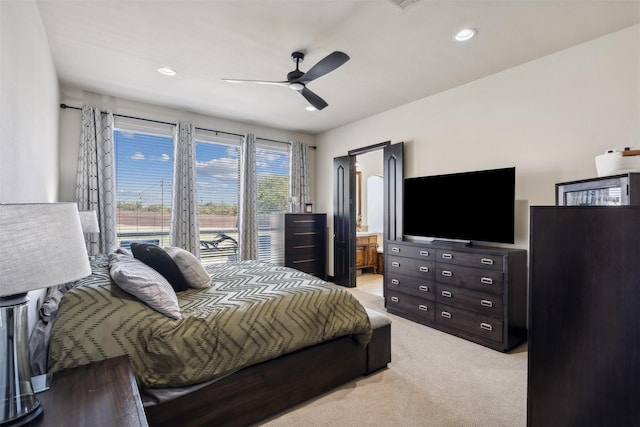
(253, 312)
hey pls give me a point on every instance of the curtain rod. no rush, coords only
(65, 106)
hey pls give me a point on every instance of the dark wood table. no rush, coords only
(100, 394)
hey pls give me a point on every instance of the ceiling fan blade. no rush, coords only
(326, 65)
(313, 99)
(261, 82)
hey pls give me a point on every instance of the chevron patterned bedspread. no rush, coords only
(253, 312)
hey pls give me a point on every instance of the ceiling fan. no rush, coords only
(298, 80)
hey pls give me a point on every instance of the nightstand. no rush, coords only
(104, 393)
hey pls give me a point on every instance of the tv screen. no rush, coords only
(468, 206)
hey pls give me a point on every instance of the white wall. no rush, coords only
(70, 124)
(28, 107)
(549, 118)
(28, 113)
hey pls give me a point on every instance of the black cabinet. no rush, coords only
(303, 238)
(584, 308)
(474, 292)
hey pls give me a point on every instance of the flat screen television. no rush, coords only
(467, 206)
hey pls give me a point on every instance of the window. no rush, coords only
(144, 171)
(218, 189)
(273, 196)
(144, 175)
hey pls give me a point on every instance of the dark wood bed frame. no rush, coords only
(263, 390)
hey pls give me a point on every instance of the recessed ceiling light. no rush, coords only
(465, 34)
(311, 108)
(167, 71)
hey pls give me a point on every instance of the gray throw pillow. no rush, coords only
(190, 266)
(145, 283)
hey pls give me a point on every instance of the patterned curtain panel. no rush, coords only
(95, 186)
(248, 209)
(185, 230)
(299, 192)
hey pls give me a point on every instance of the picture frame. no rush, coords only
(308, 207)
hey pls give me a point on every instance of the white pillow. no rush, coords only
(142, 281)
(190, 267)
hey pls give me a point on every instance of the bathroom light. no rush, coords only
(167, 71)
(465, 34)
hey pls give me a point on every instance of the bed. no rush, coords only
(258, 340)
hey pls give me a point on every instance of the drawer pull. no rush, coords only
(446, 294)
(446, 314)
(486, 303)
(395, 281)
(447, 273)
(447, 256)
(395, 249)
(486, 326)
(395, 264)
(395, 299)
(486, 281)
(424, 253)
(424, 269)
(423, 288)
(487, 261)
(423, 307)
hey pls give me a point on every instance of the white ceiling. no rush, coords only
(397, 56)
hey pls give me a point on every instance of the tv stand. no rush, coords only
(452, 242)
(474, 292)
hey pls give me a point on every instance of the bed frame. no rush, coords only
(263, 390)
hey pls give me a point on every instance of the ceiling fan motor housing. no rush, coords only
(296, 57)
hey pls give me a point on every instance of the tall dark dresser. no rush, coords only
(584, 316)
(303, 238)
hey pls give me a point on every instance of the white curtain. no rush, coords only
(95, 185)
(185, 230)
(299, 190)
(248, 209)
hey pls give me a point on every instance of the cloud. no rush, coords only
(221, 168)
(137, 156)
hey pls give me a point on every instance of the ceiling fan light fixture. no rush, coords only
(296, 86)
(465, 34)
(167, 71)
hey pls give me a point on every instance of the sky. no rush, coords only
(144, 169)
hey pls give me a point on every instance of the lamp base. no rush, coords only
(18, 405)
(28, 420)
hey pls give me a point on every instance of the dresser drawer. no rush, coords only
(417, 307)
(471, 259)
(305, 253)
(399, 249)
(414, 267)
(423, 288)
(478, 302)
(471, 278)
(304, 222)
(304, 239)
(469, 322)
(314, 266)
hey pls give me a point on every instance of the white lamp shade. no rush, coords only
(89, 222)
(41, 245)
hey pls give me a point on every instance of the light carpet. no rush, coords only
(434, 379)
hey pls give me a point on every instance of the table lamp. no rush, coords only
(41, 245)
(89, 222)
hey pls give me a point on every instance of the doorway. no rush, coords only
(369, 220)
(344, 212)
